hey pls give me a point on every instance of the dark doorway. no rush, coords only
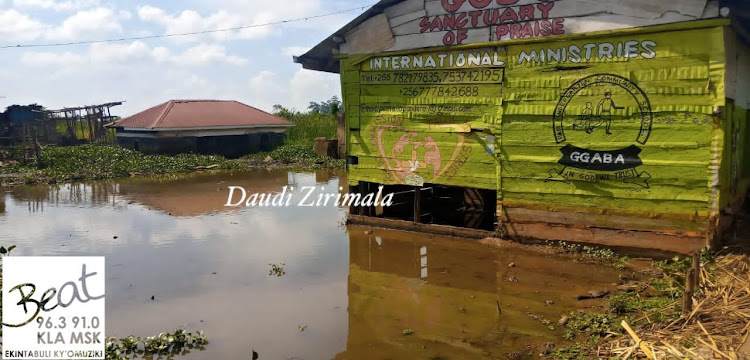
(436, 204)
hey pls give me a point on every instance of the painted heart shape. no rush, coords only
(410, 168)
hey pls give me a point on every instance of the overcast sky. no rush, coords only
(252, 65)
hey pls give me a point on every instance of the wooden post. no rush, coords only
(418, 204)
(341, 135)
(25, 146)
(80, 122)
(91, 128)
(697, 269)
(354, 209)
(37, 148)
(363, 187)
(107, 133)
(687, 299)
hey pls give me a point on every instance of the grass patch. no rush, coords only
(655, 301)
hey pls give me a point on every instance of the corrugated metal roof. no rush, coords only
(183, 114)
(321, 57)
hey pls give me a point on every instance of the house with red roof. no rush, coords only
(224, 127)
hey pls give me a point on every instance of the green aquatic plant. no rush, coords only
(574, 352)
(277, 269)
(95, 162)
(179, 342)
(621, 263)
(589, 252)
(593, 325)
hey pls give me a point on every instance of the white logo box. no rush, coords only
(74, 327)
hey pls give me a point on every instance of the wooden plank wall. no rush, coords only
(674, 79)
(414, 24)
(429, 124)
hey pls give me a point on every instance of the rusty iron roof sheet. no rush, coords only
(182, 114)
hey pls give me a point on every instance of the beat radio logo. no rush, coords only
(53, 308)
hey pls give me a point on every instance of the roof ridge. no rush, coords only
(163, 114)
(199, 100)
(136, 114)
(265, 112)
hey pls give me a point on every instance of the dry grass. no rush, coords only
(715, 329)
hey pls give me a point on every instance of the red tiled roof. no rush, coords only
(201, 114)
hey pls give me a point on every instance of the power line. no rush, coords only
(182, 34)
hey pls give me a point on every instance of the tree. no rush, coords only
(281, 111)
(316, 108)
(332, 106)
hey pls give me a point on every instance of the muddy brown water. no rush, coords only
(353, 289)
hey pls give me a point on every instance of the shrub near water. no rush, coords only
(88, 162)
(93, 162)
(307, 127)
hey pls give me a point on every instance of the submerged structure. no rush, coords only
(623, 123)
(228, 128)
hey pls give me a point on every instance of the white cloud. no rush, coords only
(137, 51)
(112, 54)
(308, 85)
(275, 10)
(292, 9)
(195, 81)
(20, 27)
(264, 80)
(91, 22)
(191, 21)
(294, 50)
(208, 54)
(56, 5)
(15, 26)
(45, 59)
(304, 86)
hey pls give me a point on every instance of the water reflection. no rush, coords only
(353, 289)
(461, 299)
(177, 195)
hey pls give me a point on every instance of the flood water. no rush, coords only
(354, 290)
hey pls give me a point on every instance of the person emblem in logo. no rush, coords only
(584, 120)
(604, 111)
(589, 121)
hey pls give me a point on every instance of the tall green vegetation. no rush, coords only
(310, 125)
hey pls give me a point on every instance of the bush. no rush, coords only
(309, 126)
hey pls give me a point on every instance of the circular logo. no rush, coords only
(597, 109)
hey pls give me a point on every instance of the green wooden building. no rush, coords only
(608, 122)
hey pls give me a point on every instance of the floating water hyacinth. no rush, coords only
(277, 269)
(162, 344)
